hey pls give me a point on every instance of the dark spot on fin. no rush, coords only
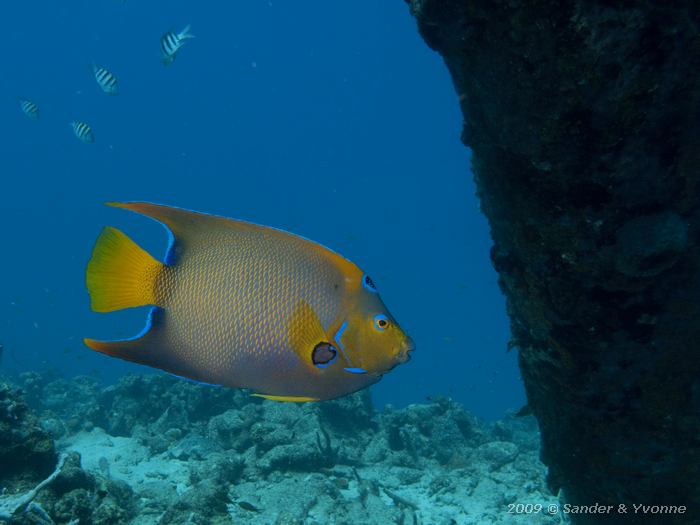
(307, 337)
(323, 354)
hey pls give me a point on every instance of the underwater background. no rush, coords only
(309, 117)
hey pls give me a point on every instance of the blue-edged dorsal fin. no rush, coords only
(182, 225)
(187, 229)
(178, 220)
(190, 229)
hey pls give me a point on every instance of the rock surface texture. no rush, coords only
(584, 121)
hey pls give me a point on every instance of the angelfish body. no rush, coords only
(246, 306)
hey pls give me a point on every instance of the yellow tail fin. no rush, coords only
(120, 273)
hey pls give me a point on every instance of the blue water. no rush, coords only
(329, 119)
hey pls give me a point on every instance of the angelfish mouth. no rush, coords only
(405, 354)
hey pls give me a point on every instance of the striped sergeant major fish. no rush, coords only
(106, 80)
(83, 131)
(171, 42)
(29, 108)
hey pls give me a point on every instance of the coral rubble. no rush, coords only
(14, 506)
(154, 449)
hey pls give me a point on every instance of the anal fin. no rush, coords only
(141, 349)
(305, 332)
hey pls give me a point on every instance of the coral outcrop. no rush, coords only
(584, 122)
(27, 451)
(37, 485)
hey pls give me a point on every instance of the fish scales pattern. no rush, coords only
(237, 291)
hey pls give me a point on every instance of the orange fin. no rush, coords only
(127, 349)
(288, 399)
(186, 228)
(305, 332)
(141, 349)
(178, 220)
(150, 348)
(120, 274)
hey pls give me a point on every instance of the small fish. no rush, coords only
(106, 80)
(246, 306)
(103, 464)
(29, 108)
(248, 506)
(171, 42)
(83, 131)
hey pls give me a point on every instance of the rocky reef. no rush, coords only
(584, 122)
(154, 449)
(37, 486)
(27, 452)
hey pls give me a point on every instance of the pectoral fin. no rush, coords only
(308, 339)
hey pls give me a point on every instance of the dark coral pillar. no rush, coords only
(584, 121)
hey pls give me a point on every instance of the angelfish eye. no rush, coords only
(381, 322)
(368, 283)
